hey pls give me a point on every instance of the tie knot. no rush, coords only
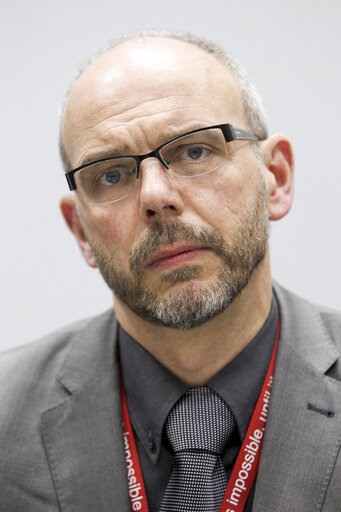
(200, 420)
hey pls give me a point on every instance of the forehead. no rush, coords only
(145, 91)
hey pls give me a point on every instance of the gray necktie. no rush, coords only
(198, 429)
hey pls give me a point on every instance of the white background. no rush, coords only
(292, 51)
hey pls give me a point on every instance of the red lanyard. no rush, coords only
(245, 468)
(137, 493)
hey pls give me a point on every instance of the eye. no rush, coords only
(195, 153)
(111, 177)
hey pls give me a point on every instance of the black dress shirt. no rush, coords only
(151, 392)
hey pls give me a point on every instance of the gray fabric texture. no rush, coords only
(61, 432)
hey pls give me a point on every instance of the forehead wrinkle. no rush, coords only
(124, 111)
(129, 130)
(93, 112)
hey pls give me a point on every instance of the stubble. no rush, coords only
(194, 302)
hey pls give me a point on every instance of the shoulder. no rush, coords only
(38, 363)
(31, 377)
(300, 308)
(31, 383)
(313, 331)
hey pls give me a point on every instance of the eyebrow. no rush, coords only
(99, 155)
(120, 151)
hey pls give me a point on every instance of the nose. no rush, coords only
(159, 192)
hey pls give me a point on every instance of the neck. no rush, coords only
(195, 355)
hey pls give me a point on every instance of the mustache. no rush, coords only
(168, 234)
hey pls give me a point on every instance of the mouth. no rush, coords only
(175, 257)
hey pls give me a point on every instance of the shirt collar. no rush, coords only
(151, 392)
(240, 381)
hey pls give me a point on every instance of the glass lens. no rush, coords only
(197, 153)
(107, 181)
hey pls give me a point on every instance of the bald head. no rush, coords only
(120, 82)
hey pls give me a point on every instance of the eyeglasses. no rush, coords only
(195, 153)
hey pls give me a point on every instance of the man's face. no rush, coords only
(176, 251)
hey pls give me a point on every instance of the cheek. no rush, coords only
(111, 227)
(221, 194)
(225, 198)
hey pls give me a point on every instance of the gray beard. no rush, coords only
(195, 303)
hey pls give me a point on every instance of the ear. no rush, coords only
(70, 213)
(279, 161)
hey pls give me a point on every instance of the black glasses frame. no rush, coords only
(230, 133)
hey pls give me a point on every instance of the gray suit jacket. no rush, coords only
(60, 419)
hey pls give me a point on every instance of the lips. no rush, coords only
(175, 257)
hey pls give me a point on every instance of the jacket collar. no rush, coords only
(302, 435)
(92, 352)
(83, 434)
(303, 329)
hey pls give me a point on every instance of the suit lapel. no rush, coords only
(83, 434)
(302, 436)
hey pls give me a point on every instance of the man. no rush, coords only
(175, 181)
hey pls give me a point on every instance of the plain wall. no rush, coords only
(292, 51)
